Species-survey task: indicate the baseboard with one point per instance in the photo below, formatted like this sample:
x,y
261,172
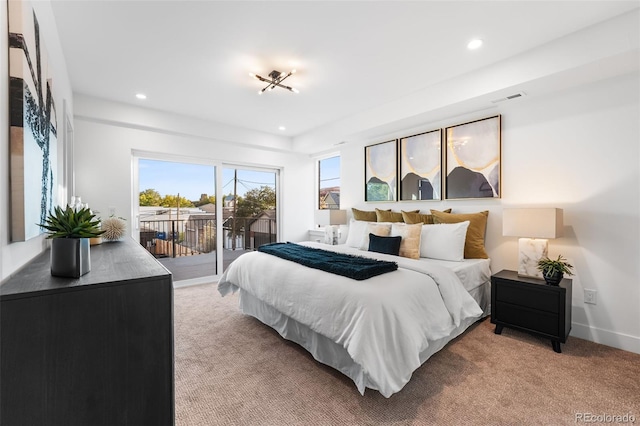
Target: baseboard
x,y
606,337
196,281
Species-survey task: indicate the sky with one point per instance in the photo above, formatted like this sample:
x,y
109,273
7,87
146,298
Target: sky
x,y
330,172
192,180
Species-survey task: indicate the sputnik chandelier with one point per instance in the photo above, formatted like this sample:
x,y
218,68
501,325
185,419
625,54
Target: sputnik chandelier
x,y
275,80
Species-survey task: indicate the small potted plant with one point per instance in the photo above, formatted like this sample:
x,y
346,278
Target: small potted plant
x,y
553,270
70,230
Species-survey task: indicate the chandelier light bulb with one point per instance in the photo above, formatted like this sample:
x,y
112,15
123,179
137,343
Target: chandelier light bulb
x,y
474,44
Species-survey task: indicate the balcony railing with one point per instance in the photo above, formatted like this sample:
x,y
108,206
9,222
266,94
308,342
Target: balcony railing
x,y
174,238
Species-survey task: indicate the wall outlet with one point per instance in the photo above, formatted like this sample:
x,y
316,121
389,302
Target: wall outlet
x,y
590,296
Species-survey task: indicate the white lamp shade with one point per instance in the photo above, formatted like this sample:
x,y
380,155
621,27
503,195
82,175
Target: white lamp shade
x,y
532,223
331,217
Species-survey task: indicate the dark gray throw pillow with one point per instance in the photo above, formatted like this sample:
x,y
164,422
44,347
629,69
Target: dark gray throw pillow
x,y
386,245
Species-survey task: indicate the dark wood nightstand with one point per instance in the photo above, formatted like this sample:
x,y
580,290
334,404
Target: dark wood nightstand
x,y
531,305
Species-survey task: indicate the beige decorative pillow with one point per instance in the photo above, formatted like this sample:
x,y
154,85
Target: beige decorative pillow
x,y
410,245
415,217
474,244
367,216
389,216
379,229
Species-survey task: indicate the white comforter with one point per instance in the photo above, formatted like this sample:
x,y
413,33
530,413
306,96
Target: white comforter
x,y
384,322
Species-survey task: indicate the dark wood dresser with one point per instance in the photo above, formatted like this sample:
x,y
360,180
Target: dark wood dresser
x,y
97,350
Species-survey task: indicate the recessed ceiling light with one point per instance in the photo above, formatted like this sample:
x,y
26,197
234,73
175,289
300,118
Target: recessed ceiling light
x,y
282,128
141,96
474,44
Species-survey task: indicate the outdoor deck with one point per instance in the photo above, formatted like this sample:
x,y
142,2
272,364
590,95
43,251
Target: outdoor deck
x,y
198,266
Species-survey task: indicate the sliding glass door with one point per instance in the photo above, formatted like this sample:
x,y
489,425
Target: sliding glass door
x,y
177,216
196,218
249,210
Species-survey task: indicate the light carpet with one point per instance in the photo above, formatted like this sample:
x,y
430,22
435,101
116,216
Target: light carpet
x,y
230,369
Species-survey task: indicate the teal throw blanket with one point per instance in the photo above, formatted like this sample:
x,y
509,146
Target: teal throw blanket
x,y
358,268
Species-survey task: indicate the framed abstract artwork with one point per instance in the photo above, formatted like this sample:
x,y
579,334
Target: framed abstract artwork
x,y
420,166
380,175
33,125
473,159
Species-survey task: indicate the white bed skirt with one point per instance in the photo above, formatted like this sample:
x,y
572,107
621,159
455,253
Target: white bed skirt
x,y
330,353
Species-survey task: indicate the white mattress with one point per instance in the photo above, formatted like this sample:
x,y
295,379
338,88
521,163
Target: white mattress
x,y
325,350
472,272
258,272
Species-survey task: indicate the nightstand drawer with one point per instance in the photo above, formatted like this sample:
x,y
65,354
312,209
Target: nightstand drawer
x,y
530,319
530,297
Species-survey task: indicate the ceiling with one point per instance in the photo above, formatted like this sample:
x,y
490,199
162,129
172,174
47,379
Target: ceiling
x,y
193,58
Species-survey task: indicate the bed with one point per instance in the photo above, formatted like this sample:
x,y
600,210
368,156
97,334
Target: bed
x,y
377,331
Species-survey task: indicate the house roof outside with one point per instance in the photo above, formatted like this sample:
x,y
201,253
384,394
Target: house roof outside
x,y
331,200
209,207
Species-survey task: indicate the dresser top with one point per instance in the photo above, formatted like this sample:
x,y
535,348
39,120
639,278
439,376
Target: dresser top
x,y
111,263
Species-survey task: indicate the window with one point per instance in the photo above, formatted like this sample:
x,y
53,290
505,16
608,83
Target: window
x,y
329,183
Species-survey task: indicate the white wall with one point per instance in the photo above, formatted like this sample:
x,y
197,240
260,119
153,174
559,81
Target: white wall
x,y
103,157
575,149
15,255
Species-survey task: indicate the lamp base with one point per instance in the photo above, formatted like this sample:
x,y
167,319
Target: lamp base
x,y
331,234
530,251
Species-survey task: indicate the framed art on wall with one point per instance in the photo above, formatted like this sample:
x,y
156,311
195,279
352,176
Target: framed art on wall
x,y
420,166
33,125
380,173
473,159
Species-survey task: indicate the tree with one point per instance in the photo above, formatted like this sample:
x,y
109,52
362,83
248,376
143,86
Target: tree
x,y
256,201
172,201
150,197
205,199
252,204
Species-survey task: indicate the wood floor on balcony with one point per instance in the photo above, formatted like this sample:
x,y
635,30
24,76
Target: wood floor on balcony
x,y
198,266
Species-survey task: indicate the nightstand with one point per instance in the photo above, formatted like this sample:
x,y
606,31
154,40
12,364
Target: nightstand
x,y
317,235
531,305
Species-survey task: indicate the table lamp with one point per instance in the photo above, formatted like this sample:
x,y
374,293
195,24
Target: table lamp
x,y
533,226
330,219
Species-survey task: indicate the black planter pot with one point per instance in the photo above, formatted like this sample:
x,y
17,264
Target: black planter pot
x,y
70,257
553,278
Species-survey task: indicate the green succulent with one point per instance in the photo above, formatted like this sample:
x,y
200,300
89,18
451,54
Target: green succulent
x,y
69,223
549,267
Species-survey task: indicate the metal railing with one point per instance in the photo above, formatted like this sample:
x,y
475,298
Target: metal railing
x,y
175,238
248,233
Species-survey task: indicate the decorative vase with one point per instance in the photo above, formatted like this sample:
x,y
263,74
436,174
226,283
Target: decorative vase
x,y
70,257
553,278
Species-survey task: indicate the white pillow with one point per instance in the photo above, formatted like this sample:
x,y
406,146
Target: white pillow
x,y
444,241
357,229
381,229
